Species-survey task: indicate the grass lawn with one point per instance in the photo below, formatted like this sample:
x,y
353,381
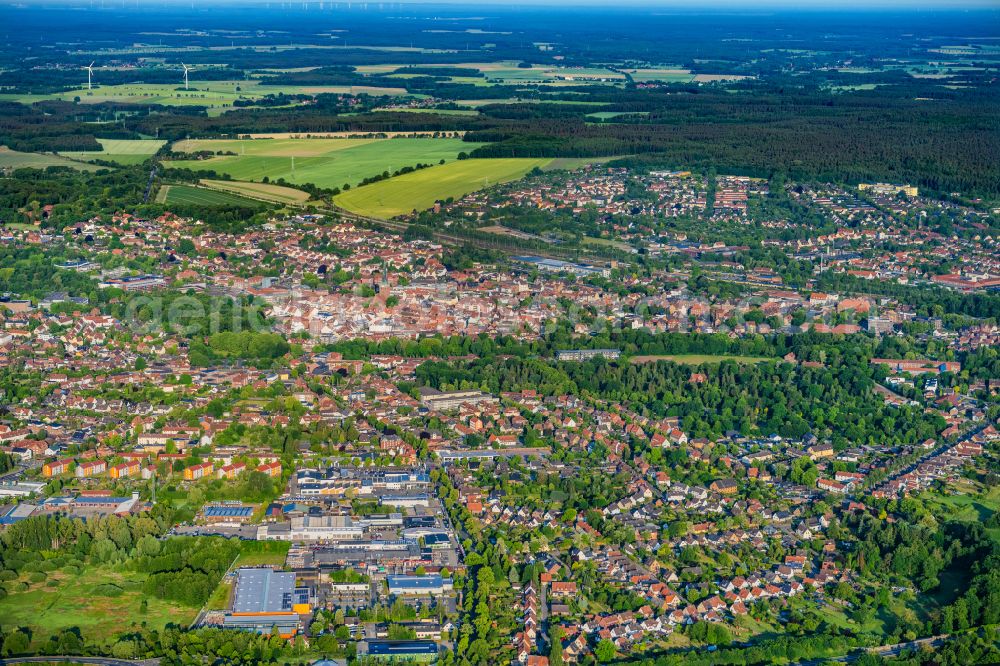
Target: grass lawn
x,y
265,191
323,162
259,553
747,627
200,196
420,189
220,597
607,242
837,617
77,602
18,160
698,359
121,151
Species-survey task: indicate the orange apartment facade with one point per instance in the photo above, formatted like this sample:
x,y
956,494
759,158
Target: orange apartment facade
x,y
125,469
56,467
195,472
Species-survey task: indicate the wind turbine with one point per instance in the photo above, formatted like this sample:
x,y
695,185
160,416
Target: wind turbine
x,y
186,70
90,74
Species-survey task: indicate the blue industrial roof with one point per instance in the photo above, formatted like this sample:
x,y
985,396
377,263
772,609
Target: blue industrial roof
x,y
436,538
228,511
429,582
402,647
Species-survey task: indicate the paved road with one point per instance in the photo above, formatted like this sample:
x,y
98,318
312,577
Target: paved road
x,y
102,661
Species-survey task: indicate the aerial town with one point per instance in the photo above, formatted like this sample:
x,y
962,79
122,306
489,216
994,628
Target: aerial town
x,y
365,480
473,336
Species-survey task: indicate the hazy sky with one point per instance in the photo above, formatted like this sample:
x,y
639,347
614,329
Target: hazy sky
x,y
672,4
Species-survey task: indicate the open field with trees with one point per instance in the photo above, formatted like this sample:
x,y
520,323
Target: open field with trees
x,y
213,95
13,159
103,576
101,600
420,189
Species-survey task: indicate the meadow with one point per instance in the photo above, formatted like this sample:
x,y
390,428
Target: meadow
x,y
698,359
120,151
966,503
102,601
323,162
420,189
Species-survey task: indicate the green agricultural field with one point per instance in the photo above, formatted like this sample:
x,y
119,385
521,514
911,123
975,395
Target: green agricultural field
x,y
698,359
201,196
312,147
507,72
666,75
81,600
12,159
420,189
262,191
216,95
120,151
327,163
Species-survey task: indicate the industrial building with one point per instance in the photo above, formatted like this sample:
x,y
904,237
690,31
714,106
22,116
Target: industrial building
x,y
422,651
263,599
431,585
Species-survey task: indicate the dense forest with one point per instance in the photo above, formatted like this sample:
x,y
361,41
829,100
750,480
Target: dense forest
x,y
781,398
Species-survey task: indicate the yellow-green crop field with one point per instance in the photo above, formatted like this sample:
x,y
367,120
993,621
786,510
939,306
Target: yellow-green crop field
x,y
263,191
420,189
